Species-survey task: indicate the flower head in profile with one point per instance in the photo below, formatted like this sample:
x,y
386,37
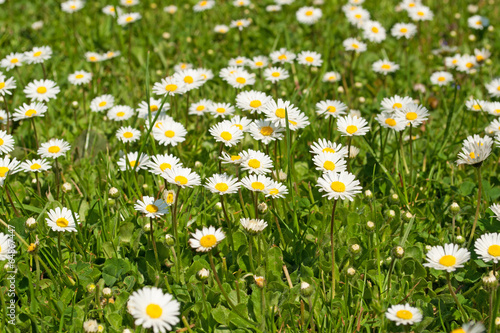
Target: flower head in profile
x,y
226,133
102,103
253,226
326,146
169,133
27,111
8,166
447,258
80,77
12,61
6,142
131,161
309,58
151,207
126,19
487,247
36,165
384,67
240,24
62,219
282,56
38,55
206,239
475,150
72,6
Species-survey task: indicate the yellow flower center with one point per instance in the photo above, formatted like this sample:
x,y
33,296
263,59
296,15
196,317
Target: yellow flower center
x,y
494,250
498,88
386,66
280,113
188,79
62,222
469,65
258,186
220,110
259,63
235,158
309,59
255,103
328,150
420,13
221,187
331,109
397,106
351,129
41,90
181,180
411,116
472,155
275,74
170,198
479,57
79,76
132,163
200,108
239,23
165,166
241,80
282,57
92,58
391,122
171,87
254,163
208,241
103,103
129,19
476,107
153,108
14,60
1,142
239,61
458,330
203,3
169,134
358,16
309,13
54,149
226,136
331,78
3,171
239,126
266,130
154,311
403,30
441,79
448,260
128,135
120,114
356,46
404,314
375,29
152,208
30,112
2,85
35,166
338,187
329,165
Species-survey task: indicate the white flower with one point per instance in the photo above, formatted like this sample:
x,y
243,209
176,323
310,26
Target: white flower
x,y
277,112
421,13
447,258
282,56
154,105
238,61
325,146
275,190
80,77
309,58
222,184
36,165
343,185
128,134
203,5
391,104
6,142
8,167
256,183
477,22
404,314
6,85
129,162
221,28
227,133
41,90
27,111
230,159
191,77
275,74
237,77
258,62
12,60
330,108
160,163
475,105
475,150
200,107
493,88
242,123
206,239
407,30
62,219
253,226
169,133
93,57
72,6
352,44
256,162
329,162
151,207
413,114
38,55
441,78
170,9
221,109
182,177
495,208
240,24
120,112
253,101
169,86
466,63
384,66
331,77
309,15
128,18
102,103
488,247
388,120
53,148
265,131
374,31
352,126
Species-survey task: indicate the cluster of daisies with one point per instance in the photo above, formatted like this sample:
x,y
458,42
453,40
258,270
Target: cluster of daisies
x,y
37,55
398,113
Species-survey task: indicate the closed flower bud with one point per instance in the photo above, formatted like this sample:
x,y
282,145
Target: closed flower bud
x,y
472,37
203,274
340,89
306,289
198,164
262,207
428,247
259,281
455,208
355,248
145,186
146,227
111,202
490,281
407,216
460,239
169,240
497,321
457,15
395,198
358,84
91,288
218,207
74,105
370,226
398,252
66,187
107,293
351,271
113,192
361,99
31,223
391,214
453,33
368,194
127,331
90,326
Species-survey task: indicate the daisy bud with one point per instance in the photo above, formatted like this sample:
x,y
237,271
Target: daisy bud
x,y
306,289
457,15
90,326
351,271
361,99
391,214
127,331
490,281
210,52
460,239
406,216
395,198
107,293
262,207
472,37
454,208
398,252
113,192
388,260
74,105
355,248
472,9
497,321
259,281
145,186
340,89
218,207
32,248
66,187
111,202
488,62
169,240
37,25
282,175
203,274
30,223
453,33
189,39
165,35
354,152
368,194
198,164
358,85
146,227
91,288
33,182
26,200
370,226
428,248
491,28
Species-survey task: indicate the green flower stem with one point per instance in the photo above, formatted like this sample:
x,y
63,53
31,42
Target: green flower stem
x,y
478,206
229,225
462,311
332,222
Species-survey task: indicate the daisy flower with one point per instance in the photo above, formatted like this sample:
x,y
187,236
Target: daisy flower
x,y
410,4
330,108
230,159
309,58
93,57
282,56
182,177
36,165
358,16
200,107
53,148
38,55
447,258
495,208
481,55
404,314
388,120
170,9
256,162
253,101
222,184
102,103
12,60
256,183
62,219
226,133
126,19
3,116
162,119
493,108
374,31
191,78
421,13
205,74
466,63
258,62
241,3
452,62
470,327
488,247
308,15
240,24
239,78
41,90
297,121
328,162
151,308
128,134
242,123
384,67
129,3
343,185
206,239
253,226
391,104
111,54
266,131
8,167
169,133
275,74
151,207
441,78
477,22
239,61
352,44
332,77
182,66
109,10
277,112
475,150
275,190
120,112
5,244
72,6
129,162
154,105
493,88
204,5
221,28
80,77
6,142
413,114
6,85
406,30
325,146
352,126
475,105
160,163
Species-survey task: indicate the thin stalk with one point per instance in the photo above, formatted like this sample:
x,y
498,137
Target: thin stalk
x,y
174,225
332,225
229,226
411,155
34,131
153,241
250,254
57,179
478,206
462,311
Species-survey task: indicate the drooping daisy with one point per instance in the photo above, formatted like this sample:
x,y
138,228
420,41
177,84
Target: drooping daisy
x,y
253,226
154,105
352,44
128,134
205,74
276,112
493,88
72,6
447,258
309,58
388,120
12,60
62,219
27,111
38,55
230,159
275,190
487,247
253,101
128,18
182,177
404,314
352,126
6,85
421,13
477,22
221,28
222,184
226,133
200,107
406,30
374,31
258,62
266,131
441,78
275,74
206,239
384,67
41,90
191,78
169,133
53,148
391,104
6,142
256,162
160,163
242,123
328,162
151,207
297,121
282,56
330,108
204,5
36,165
475,105
151,308
120,112
8,167
325,146
308,15
413,114
130,160
256,183
93,57
80,77
331,77
475,150
102,103
343,185
240,24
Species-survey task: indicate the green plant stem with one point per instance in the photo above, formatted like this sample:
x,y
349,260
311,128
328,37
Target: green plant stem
x,y
462,311
332,225
174,226
229,225
250,254
478,206
153,241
